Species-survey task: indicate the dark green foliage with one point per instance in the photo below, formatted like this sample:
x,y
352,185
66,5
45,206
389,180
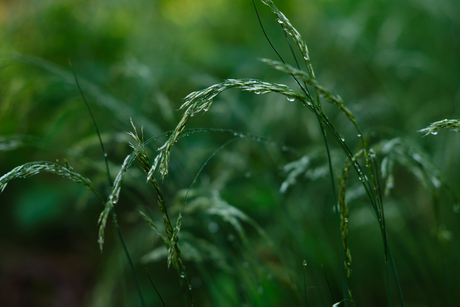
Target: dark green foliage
x,y
281,199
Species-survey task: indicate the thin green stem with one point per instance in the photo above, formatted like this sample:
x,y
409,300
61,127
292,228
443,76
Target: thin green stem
x,y
110,182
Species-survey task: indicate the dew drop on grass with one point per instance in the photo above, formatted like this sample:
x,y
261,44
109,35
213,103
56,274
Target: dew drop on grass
x,y
182,274
434,132
342,137
280,21
190,287
290,99
372,153
359,135
213,227
304,263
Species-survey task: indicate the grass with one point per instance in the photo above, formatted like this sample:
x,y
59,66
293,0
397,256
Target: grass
x,y
238,234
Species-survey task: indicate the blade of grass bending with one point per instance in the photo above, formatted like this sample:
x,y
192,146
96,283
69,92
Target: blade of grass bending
x,y
94,123
110,201
265,33
151,281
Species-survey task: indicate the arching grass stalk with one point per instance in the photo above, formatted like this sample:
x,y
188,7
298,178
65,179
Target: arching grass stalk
x,y
434,128
289,30
202,101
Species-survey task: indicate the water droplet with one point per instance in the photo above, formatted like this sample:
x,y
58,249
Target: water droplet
x,y
304,263
434,132
213,227
190,287
105,155
280,21
372,153
359,135
182,274
257,92
206,109
342,137
290,98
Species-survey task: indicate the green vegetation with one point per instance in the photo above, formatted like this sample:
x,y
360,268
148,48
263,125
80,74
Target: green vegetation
x,y
303,180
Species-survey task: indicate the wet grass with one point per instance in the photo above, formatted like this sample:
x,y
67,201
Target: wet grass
x,y
236,234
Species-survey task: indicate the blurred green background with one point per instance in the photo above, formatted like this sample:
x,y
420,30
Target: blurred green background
x,y
396,65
